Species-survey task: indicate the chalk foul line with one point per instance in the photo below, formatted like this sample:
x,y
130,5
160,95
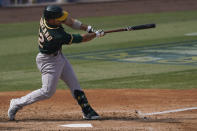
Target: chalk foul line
x,y
139,113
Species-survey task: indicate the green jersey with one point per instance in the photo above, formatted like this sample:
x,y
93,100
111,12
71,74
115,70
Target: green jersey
x,y
51,38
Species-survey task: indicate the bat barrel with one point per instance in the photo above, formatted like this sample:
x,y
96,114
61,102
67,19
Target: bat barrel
x,y
146,26
138,27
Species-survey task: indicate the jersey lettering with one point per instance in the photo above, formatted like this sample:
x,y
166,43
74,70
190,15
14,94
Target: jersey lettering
x,y
44,32
49,38
41,38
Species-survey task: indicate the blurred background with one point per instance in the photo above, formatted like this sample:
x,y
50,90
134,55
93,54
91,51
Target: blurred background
x,y
7,3
118,60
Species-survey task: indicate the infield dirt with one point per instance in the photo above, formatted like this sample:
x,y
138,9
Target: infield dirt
x,y
116,106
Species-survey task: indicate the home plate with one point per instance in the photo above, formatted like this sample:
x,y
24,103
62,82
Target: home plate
x,y
77,125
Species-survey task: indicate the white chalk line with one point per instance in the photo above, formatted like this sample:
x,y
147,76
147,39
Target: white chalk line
x,y
168,111
77,125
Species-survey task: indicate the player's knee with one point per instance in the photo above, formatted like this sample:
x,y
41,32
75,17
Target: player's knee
x,y
47,92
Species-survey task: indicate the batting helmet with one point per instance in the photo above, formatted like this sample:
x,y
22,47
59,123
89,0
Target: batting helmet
x,y
55,12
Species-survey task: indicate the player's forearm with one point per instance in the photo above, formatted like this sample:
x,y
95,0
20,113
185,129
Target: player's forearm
x,y
88,37
77,25
84,27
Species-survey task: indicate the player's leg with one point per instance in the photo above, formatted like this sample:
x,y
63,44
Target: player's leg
x,y
69,77
50,77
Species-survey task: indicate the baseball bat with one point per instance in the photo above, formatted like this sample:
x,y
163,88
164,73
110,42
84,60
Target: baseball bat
x,y
130,28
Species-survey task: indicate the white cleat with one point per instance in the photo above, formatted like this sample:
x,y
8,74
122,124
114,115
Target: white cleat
x,y
13,110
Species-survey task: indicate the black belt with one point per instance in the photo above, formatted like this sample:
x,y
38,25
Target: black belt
x,y
53,54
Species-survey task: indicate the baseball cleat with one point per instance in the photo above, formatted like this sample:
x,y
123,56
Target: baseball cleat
x,y
90,114
13,110
95,117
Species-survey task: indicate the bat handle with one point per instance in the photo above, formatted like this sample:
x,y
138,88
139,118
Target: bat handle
x,y
116,30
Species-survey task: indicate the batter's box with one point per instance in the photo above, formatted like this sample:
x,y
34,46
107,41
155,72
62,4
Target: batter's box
x,y
179,53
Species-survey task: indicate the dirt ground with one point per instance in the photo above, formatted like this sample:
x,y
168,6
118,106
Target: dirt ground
x,y
116,107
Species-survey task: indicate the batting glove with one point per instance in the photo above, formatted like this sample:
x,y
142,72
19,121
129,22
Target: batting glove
x,y
129,28
90,29
100,33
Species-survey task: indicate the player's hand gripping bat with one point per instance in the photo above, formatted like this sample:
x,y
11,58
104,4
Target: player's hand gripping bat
x,y
132,28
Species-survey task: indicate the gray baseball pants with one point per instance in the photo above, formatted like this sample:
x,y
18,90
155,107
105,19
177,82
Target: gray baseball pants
x,y
52,68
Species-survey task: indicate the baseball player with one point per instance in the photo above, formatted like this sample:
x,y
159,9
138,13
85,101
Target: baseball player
x,y
53,64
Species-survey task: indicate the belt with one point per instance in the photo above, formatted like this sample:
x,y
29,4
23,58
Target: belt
x,y
53,54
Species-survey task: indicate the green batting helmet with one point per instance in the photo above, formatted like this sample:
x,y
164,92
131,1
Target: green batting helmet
x,y
54,12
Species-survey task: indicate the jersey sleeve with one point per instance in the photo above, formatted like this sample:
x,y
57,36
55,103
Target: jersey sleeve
x,y
72,38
